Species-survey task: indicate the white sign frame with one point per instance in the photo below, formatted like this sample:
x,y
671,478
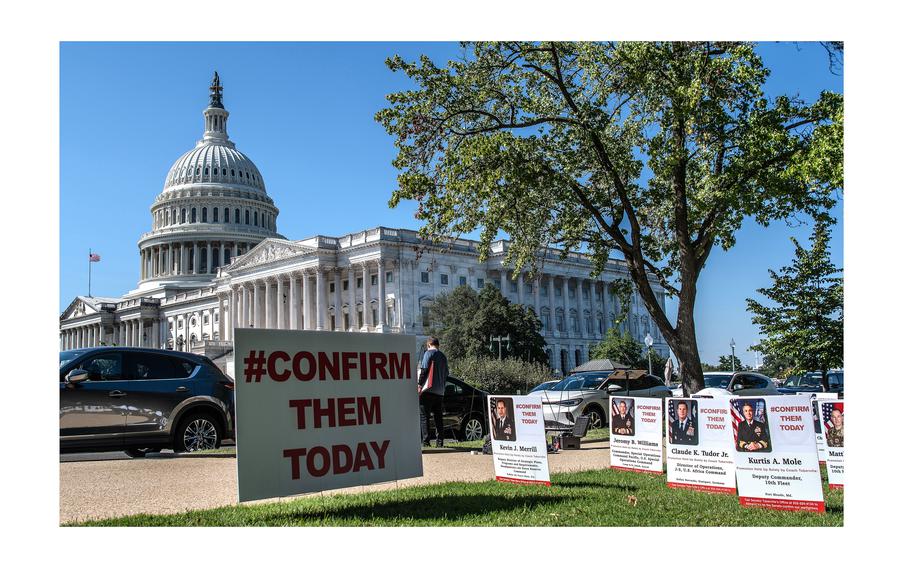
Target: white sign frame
x,y
700,457
519,441
637,444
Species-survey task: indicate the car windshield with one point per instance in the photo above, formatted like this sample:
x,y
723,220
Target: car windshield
x,y
717,381
578,382
67,356
543,387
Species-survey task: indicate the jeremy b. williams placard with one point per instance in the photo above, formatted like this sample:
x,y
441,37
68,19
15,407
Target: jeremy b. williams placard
x,y
636,437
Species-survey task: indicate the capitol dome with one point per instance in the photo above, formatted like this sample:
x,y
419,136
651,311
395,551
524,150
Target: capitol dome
x,y
213,207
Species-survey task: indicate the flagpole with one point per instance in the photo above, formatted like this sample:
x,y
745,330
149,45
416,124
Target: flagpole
x,y
89,273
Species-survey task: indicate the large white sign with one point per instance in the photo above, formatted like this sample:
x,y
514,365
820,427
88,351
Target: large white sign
x,y
776,457
322,410
636,434
819,431
700,445
518,440
831,413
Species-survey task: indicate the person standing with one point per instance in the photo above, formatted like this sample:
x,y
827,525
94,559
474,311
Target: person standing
x,y
431,387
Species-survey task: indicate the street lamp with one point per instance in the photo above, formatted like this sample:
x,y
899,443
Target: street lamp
x,y
649,341
733,351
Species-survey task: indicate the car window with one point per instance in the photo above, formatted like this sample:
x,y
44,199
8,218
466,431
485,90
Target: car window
x,y
717,381
835,379
640,383
150,366
104,367
183,368
752,381
578,382
654,382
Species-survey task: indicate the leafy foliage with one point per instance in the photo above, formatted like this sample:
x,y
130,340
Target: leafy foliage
x,y
500,376
656,150
725,364
465,320
620,348
804,321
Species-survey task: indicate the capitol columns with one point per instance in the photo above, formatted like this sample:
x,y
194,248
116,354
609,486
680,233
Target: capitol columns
x,y
336,299
380,308
257,300
504,280
521,287
280,303
269,304
367,312
156,334
307,300
536,286
293,302
320,298
195,257
551,299
352,301
221,327
579,307
208,258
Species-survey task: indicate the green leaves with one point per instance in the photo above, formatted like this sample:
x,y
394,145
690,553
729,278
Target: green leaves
x,y
804,321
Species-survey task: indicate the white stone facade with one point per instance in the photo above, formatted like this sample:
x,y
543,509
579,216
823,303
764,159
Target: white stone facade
x,y
372,281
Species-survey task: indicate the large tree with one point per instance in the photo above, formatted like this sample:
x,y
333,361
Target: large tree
x,y
465,320
620,348
804,320
658,151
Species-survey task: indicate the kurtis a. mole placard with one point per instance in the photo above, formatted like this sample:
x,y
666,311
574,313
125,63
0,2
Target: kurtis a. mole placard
x,y
321,410
776,456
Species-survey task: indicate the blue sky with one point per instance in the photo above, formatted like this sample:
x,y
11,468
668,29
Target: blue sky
x,y
303,112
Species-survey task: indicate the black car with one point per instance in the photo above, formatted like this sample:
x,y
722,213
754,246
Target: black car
x,y
463,415
812,382
142,400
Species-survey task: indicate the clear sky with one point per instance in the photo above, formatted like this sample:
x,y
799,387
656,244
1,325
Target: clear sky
x,y
303,112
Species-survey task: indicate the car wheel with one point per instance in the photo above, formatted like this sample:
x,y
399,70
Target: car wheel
x,y
596,417
472,428
197,432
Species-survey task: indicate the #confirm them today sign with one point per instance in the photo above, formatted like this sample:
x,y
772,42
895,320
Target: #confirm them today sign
x,y
776,456
636,434
321,410
700,445
518,440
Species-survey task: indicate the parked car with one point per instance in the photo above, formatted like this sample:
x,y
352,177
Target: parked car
x,y
546,385
463,415
812,383
142,400
740,383
587,394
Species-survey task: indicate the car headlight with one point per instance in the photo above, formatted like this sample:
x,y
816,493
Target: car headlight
x,y
569,402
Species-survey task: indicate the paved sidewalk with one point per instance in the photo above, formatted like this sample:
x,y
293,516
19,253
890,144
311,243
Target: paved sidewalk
x,y
168,484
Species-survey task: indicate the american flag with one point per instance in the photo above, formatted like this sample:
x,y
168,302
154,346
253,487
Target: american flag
x,y
630,408
94,257
827,409
758,414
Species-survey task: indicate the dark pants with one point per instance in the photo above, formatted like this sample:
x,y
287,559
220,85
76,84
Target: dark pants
x,y
430,402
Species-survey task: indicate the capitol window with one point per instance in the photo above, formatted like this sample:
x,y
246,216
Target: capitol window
x,y
374,280
227,214
237,216
247,216
183,215
425,277
360,282
344,286
480,282
205,216
388,276
224,171
214,214
444,279
256,218
193,215
232,173
332,290
462,280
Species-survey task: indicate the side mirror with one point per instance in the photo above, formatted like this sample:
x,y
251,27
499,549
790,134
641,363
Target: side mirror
x,y
738,386
76,376
614,388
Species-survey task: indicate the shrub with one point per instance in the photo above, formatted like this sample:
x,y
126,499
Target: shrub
x,y
499,376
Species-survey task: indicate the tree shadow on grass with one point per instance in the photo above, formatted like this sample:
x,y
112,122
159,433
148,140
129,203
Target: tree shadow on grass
x,y
448,508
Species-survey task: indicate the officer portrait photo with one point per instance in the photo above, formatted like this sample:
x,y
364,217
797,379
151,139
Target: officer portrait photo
x,y
681,417
751,425
833,414
622,422
502,415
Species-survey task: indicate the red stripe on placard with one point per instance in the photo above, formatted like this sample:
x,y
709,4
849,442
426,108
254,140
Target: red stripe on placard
x,y
835,486
636,469
783,504
703,488
521,481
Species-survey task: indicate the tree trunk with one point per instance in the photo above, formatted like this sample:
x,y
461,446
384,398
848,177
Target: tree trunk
x,y
826,386
686,348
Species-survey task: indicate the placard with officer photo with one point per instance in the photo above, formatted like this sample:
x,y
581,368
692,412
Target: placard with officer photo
x,y
831,413
699,445
819,431
636,434
776,456
518,440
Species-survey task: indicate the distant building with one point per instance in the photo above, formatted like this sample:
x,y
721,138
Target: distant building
x,y
214,261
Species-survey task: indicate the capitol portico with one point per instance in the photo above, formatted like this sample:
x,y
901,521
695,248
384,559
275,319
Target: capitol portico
x,y
214,261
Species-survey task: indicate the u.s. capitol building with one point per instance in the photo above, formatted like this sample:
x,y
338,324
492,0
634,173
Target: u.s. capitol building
x,y
214,260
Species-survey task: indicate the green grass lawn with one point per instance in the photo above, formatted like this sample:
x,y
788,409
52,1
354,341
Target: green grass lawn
x,y
590,498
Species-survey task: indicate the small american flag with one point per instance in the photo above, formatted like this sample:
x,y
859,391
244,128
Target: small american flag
x,y
827,409
94,257
758,414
